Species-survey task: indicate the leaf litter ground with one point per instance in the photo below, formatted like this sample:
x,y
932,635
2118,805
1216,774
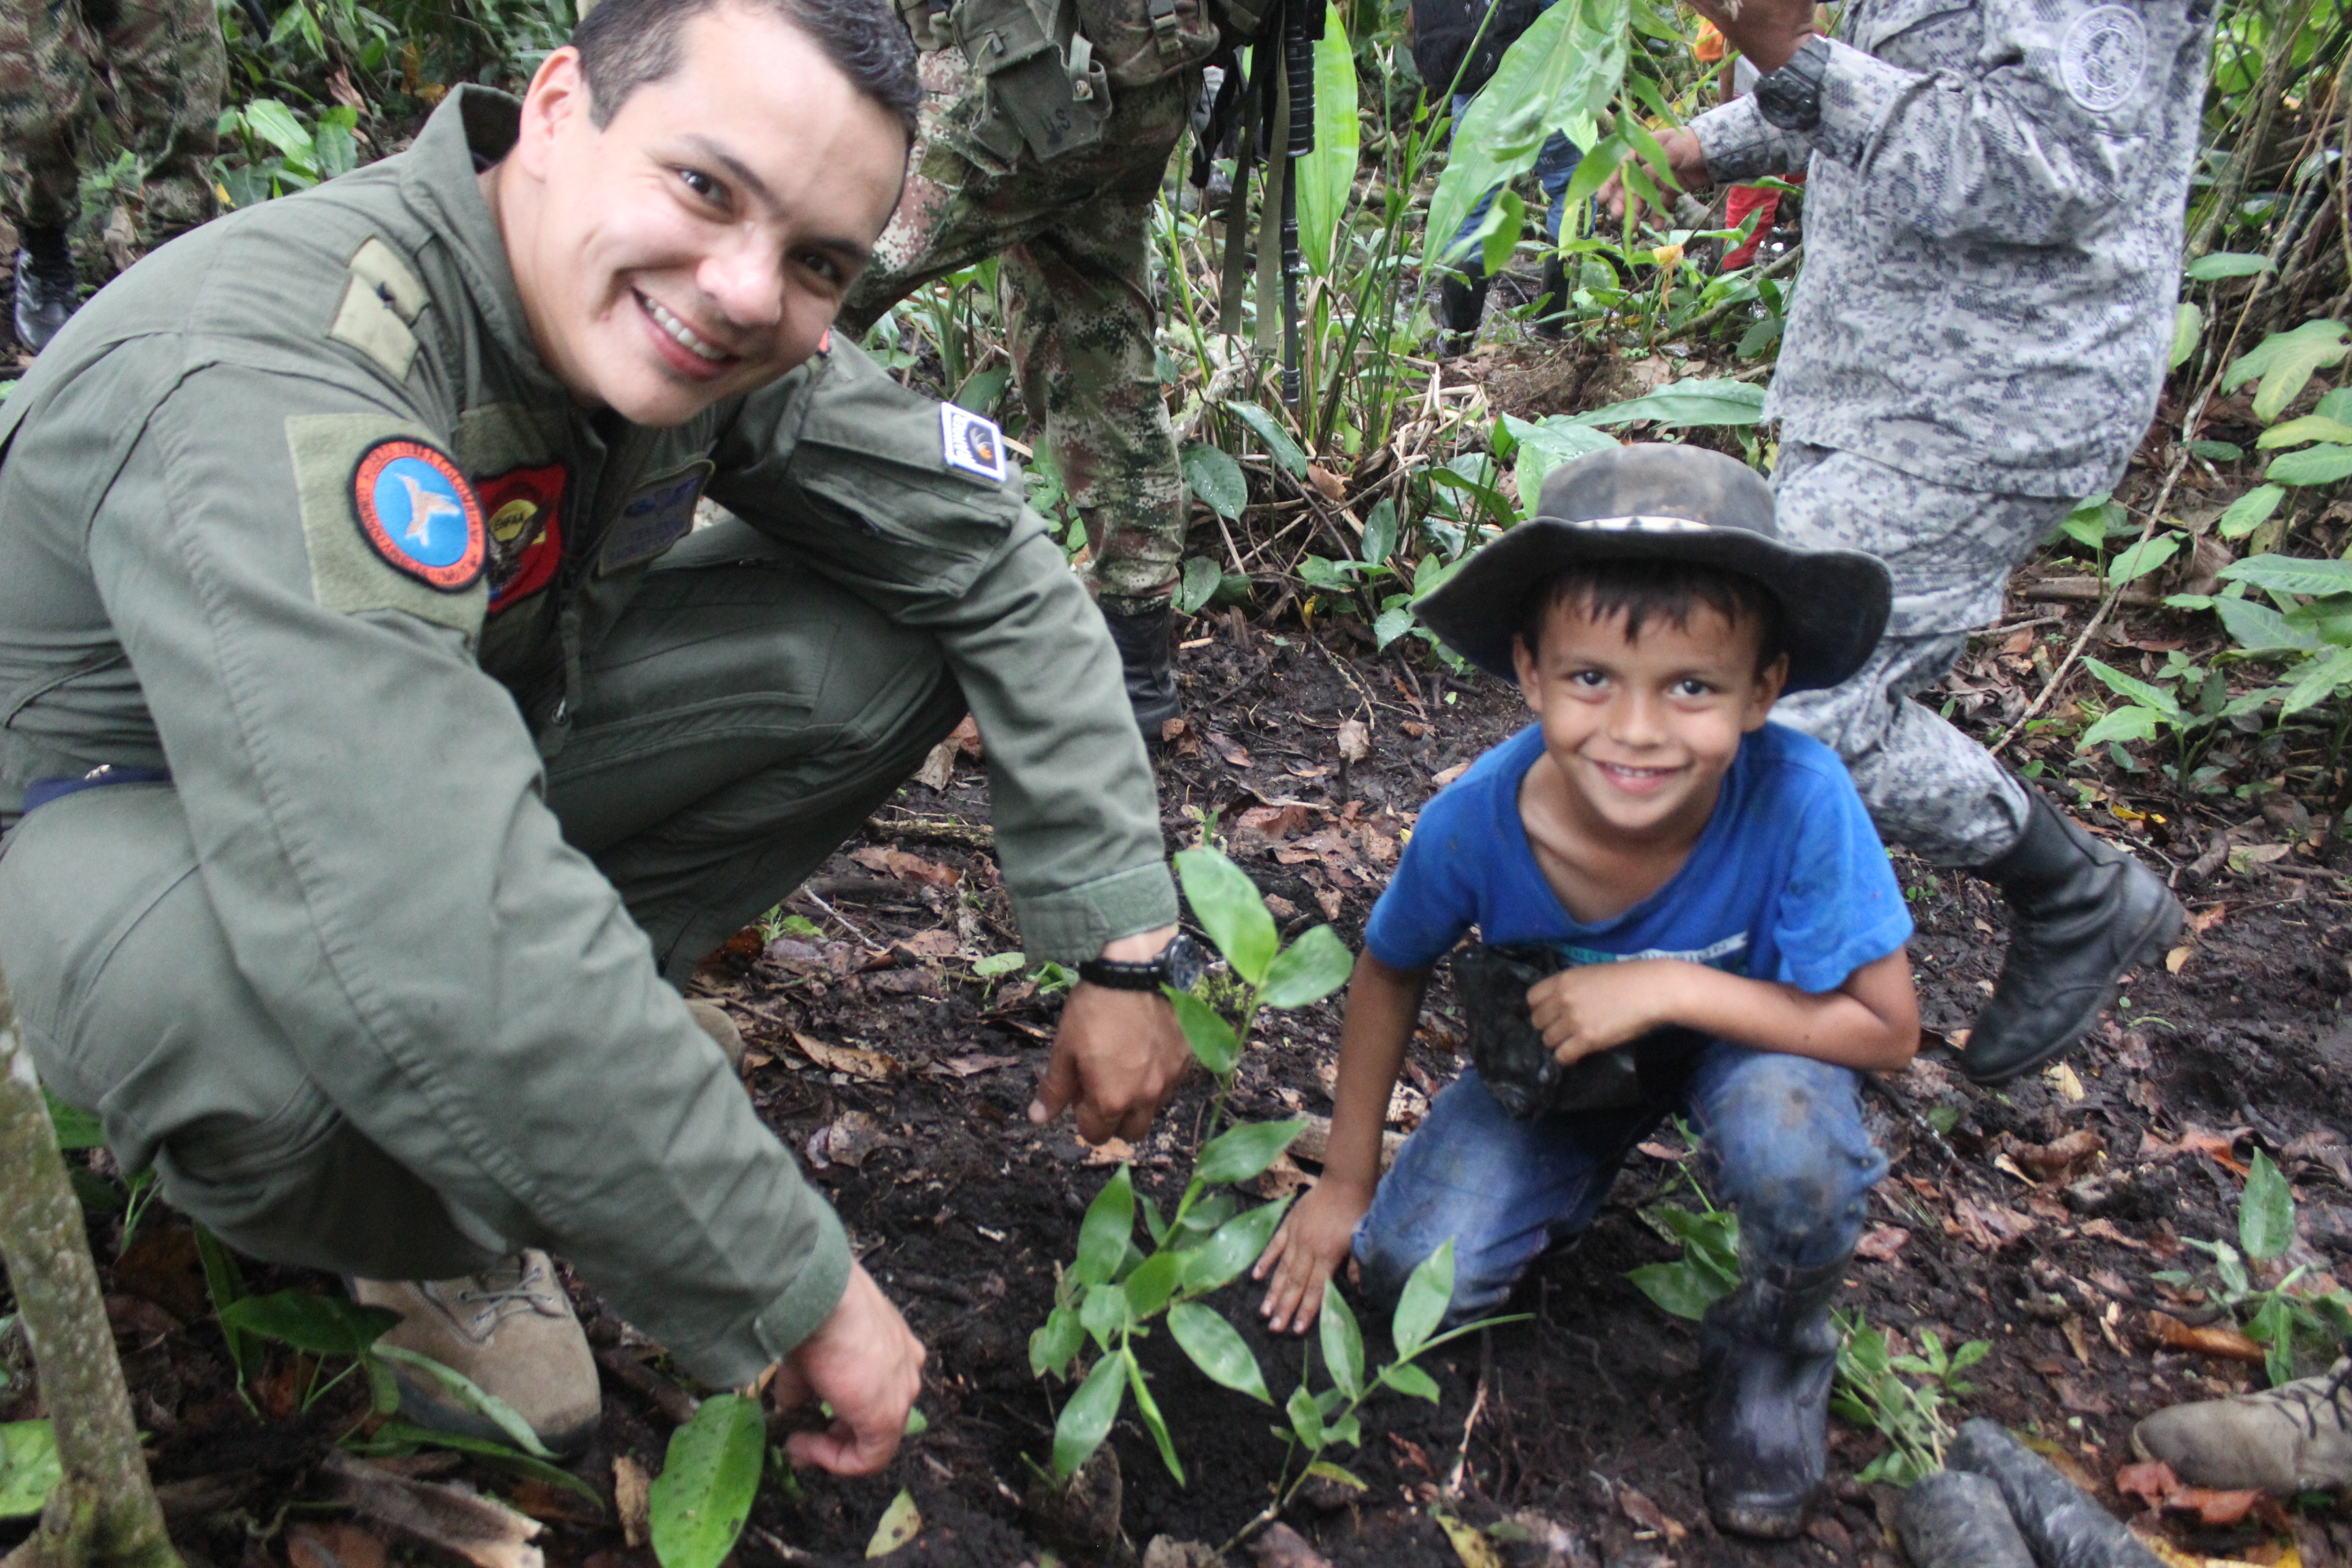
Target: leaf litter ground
x,y
2036,1219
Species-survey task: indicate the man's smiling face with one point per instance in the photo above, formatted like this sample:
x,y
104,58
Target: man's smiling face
x,y
698,244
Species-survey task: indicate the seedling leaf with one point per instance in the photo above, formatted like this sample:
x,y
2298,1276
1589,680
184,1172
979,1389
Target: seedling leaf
x,y
2312,466
322,1325
1214,1044
899,1524
1308,970
2285,361
1234,1247
1682,1289
29,1466
473,1395
396,1437
1241,1152
1217,479
2138,561
1227,904
1148,1287
1343,1343
1051,1347
1218,1349
699,1502
1422,1305
1408,1379
1085,1419
2251,510
1103,1235
2290,575
2266,1212
1277,441
1153,1422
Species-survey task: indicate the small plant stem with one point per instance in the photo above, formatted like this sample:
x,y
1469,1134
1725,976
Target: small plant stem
x,y
1778,266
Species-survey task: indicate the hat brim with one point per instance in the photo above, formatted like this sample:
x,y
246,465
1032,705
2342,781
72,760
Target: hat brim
x,y
1833,601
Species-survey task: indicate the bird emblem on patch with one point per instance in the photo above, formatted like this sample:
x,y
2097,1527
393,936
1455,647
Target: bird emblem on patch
x,y
971,443
420,514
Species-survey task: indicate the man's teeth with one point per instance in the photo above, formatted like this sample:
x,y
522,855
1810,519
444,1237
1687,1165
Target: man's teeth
x,y
681,331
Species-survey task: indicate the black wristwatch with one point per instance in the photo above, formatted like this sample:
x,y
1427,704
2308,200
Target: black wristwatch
x,y
1790,98
1178,964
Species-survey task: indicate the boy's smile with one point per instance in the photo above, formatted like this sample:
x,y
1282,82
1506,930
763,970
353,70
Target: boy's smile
x,y
1639,732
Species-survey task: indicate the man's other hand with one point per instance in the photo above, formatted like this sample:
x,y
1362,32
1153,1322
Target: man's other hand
x,y
1683,157
1118,1054
1767,31
868,1364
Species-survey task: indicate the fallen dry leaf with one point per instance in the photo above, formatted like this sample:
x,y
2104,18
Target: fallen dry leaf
x,y
2202,920
1648,1515
905,866
1283,1547
1469,1544
1882,1242
854,1060
2064,1158
2177,959
1110,1152
482,1530
847,1140
1326,481
2062,1079
632,1500
931,943
900,1522
1987,1227
966,1067
2151,1482
966,736
2211,1340
938,766
1355,740
332,1546
2212,1509
1448,775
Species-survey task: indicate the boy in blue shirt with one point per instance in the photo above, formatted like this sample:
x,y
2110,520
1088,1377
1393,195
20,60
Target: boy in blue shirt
x,y
1730,931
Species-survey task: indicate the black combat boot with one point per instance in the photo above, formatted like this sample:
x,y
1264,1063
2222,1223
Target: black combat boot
x,y
2081,912
1142,639
1551,300
47,289
1770,1352
1460,303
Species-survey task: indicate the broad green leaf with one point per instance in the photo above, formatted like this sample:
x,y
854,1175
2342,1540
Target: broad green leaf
x,y
1103,1234
2138,691
29,1466
2256,627
1269,430
2217,451
1056,1343
2251,510
1216,478
997,963
322,1325
1682,402
1306,1416
2327,618
899,1524
2312,466
2310,427
2316,681
1198,585
1153,1422
1217,1347
1326,174
396,1437
1682,1287
1201,1219
1392,625
1343,1343
1411,1381
1213,1040
1324,1469
1148,1287
2187,326
1104,1312
1545,445
1241,1152
2136,561
1086,1420
2285,361
1236,1244
1710,1241
2335,405
464,1389
1317,572
699,1502
1380,534
2126,723
1556,76
2226,264
75,1128
1421,1307
2266,1212
1308,970
1227,904
2290,575
2088,523
275,123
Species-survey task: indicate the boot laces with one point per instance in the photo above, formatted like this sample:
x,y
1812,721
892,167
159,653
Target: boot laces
x,y
2308,1395
485,1300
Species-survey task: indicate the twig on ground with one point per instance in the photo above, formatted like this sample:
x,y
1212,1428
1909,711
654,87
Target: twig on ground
x,y
2019,625
1478,1408
675,1403
936,831
1910,1113
867,942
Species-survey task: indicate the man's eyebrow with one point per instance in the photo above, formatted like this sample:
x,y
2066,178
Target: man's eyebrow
x,y
848,251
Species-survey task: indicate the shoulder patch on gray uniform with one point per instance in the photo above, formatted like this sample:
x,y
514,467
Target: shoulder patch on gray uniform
x,y
347,571
971,443
2103,56
382,297
381,268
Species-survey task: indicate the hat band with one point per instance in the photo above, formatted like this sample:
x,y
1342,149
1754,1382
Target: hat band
x,y
1640,522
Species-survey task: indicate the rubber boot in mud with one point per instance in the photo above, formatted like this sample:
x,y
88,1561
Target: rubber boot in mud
x,y
47,290
1143,656
1460,303
1552,300
1954,1519
2062,1528
2081,912
2297,1437
1770,1351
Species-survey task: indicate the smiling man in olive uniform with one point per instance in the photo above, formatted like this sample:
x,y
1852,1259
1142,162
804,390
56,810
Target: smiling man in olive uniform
x,y
378,752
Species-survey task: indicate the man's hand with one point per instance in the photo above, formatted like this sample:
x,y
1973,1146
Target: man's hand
x,y
1307,1250
1767,31
1684,159
868,1364
1596,1007
1118,1054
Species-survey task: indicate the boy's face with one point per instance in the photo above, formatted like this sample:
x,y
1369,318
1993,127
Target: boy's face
x,y
1643,729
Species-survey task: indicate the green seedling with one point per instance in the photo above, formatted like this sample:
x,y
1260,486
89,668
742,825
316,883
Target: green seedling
x,y
1709,1236
1903,1397
2295,1328
698,1505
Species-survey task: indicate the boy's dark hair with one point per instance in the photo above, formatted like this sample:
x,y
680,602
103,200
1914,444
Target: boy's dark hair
x,y
624,43
1643,590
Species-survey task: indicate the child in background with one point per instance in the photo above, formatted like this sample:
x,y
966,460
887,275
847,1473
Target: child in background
x,y
1724,912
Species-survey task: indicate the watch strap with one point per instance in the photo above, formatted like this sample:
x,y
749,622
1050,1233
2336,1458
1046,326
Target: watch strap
x,y
1790,97
1125,973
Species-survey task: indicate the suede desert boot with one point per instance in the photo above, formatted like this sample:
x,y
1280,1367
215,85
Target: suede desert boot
x,y
2081,912
713,1021
1770,1350
511,1329
2297,1437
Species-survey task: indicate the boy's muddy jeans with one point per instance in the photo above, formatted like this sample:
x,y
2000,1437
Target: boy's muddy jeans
x,y
1783,1141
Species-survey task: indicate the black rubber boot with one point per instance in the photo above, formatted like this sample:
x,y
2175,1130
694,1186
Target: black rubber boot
x,y
1954,1519
2081,912
1770,1350
2062,1528
1460,303
1551,300
47,290
1142,639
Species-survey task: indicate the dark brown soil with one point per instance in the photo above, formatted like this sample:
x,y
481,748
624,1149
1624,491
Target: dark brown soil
x,y
1585,1414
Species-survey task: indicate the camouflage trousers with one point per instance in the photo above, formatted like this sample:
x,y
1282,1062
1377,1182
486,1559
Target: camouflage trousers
x,y
1950,551
162,67
1075,237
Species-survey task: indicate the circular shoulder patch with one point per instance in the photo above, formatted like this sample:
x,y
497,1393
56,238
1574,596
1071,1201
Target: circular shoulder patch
x,y
421,515
2102,56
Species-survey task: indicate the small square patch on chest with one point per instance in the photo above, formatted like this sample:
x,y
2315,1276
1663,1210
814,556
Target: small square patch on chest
x,y
971,443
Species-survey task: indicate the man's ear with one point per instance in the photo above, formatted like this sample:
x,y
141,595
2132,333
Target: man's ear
x,y
1768,682
557,97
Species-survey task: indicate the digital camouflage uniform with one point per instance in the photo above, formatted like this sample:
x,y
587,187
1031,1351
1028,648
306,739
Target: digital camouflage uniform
x,y
1993,249
162,66
1076,236
469,746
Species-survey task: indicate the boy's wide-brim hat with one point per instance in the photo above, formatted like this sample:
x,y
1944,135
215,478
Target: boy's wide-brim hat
x,y
1667,503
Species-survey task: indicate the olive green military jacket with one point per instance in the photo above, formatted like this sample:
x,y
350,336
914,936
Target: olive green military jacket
x,y
191,576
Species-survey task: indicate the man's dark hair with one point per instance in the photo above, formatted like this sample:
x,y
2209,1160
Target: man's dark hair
x,y
624,43
1642,590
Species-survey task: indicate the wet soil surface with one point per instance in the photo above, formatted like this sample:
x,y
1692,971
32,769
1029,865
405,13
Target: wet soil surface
x,y
903,1078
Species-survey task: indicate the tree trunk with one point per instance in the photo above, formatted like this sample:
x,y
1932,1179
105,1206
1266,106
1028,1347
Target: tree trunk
x,y
104,1510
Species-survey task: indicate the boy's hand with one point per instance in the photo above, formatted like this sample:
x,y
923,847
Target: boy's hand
x,y
1304,1254
1597,1006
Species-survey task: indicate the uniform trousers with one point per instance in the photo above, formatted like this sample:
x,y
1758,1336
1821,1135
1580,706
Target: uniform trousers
x,y
742,719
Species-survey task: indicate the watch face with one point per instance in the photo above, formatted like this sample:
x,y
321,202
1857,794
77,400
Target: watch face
x,y
1182,960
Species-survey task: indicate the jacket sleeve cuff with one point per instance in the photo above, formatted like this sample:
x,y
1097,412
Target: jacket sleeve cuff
x,y
1741,144
739,1358
1072,926
1860,93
